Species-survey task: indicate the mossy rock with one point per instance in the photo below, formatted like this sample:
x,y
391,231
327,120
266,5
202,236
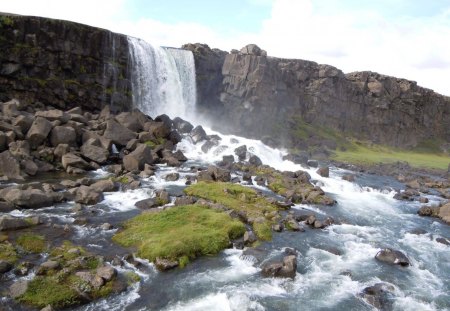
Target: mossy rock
x,y
8,252
180,233
32,243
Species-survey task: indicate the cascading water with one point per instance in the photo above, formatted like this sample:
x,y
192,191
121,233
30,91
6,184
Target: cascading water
x,y
163,80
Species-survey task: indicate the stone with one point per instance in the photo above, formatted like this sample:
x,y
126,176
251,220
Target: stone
x,y
349,177
249,238
87,195
293,225
208,145
379,295
105,185
9,166
49,265
324,171
285,269
392,257
47,308
254,160
2,142
185,200
165,264
253,49
29,167
117,133
63,135
148,203
198,134
130,120
94,153
136,160
72,160
18,288
312,163
182,126
107,273
29,198
172,177
5,266
163,196
428,211
38,132
106,226
241,152
61,150
24,122
53,115
443,241
423,200
444,213
10,108
157,129
175,137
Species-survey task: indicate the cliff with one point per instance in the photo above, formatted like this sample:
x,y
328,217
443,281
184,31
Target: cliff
x,y
62,64
262,96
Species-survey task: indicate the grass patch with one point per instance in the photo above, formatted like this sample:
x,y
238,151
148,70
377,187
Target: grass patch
x,y
32,243
131,277
235,197
63,251
263,230
8,252
43,291
361,154
184,231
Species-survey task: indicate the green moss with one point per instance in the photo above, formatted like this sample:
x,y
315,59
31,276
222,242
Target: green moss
x,y
93,263
238,198
184,231
131,277
63,251
6,21
155,142
121,179
8,252
43,291
32,243
103,291
361,154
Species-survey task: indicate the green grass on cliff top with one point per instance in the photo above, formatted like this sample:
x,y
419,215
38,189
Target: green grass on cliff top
x,y
360,154
180,232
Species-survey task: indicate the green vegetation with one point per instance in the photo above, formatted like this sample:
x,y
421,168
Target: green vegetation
x,y
180,233
32,243
8,252
6,21
43,291
155,142
361,154
121,179
131,277
67,251
239,198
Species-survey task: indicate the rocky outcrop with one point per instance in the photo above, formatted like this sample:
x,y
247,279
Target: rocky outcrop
x,y
62,64
262,96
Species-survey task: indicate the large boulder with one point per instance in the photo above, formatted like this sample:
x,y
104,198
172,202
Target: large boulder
x,y
18,288
182,126
131,120
392,257
136,160
38,132
117,133
253,49
285,269
241,152
88,195
379,295
324,171
8,222
63,135
158,129
444,213
93,152
106,185
53,115
72,160
9,166
198,134
29,198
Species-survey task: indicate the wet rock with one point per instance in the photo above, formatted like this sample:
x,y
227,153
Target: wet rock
x,y
163,196
106,226
29,198
9,166
182,126
105,185
293,225
175,137
18,288
38,132
443,241
254,160
172,177
349,177
148,203
312,163
241,152
444,213
133,121
6,207
249,238
428,211
117,133
285,269
423,200
165,264
136,160
208,145
418,231
324,171
5,266
198,134
392,257
23,268
63,135
87,195
379,295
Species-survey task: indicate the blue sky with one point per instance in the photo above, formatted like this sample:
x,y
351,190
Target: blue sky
x,y
403,38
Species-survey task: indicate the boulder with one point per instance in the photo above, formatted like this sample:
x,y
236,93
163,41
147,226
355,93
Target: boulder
x,y
9,166
443,241
38,132
130,120
185,200
18,288
117,133
157,129
87,195
61,150
254,160
148,203
29,167
5,266
24,122
253,49
349,177
208,145
198,134
379,295
72,160
53,115
8,223
324,171
428,211
106,185
172,177
29,198
182,126
444,213
312,163
285,269
392,257
249,238
241,152
107,273
94,153
63,135
2,141
136,160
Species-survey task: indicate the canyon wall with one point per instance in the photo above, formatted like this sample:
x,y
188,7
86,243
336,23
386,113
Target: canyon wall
x,y
63,64
267,97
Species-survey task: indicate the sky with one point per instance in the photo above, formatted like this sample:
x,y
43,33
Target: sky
x,y
403,38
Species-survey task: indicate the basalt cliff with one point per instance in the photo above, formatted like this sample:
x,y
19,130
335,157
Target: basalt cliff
x,y
65,64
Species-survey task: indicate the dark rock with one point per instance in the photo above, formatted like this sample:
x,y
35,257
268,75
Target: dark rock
x,y
198,134
249,238
324,171
157,129
117,133
349,177
254,160
63,135
182,126
423,200
148,203
38,132
208,145
136,160
393,257
5,266
428,211
312,163
379,295
241,152
443,241
175,137
172,177
286,269
418,231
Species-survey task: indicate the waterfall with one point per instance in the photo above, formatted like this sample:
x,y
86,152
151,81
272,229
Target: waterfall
x,y
162,80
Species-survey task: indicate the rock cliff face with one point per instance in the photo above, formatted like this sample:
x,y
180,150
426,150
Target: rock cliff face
x,y
63,64
266,96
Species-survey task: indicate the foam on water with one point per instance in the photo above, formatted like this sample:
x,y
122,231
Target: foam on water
x,y
124,201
